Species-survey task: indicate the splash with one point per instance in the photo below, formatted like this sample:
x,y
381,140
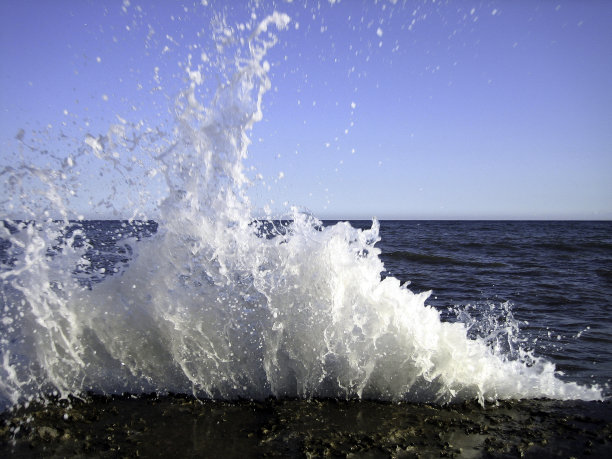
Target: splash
x,y
217,303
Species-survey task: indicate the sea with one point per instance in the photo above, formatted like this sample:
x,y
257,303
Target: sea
x,y
545,285
390,309
198,292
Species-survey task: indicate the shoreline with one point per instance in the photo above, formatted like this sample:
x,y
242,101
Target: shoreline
x,y
150,425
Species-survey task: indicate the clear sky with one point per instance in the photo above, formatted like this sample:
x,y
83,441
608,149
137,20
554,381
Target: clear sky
x,y
393,109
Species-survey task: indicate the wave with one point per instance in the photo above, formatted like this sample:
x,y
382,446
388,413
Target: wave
x,y
216,305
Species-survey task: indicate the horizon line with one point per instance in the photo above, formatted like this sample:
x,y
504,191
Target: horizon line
x,y
355,219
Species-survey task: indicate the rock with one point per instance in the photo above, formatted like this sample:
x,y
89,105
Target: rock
x,y
47,433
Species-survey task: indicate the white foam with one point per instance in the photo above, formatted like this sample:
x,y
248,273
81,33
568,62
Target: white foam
x,y
209,306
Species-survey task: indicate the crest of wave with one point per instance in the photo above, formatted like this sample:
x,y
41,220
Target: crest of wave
x,y
223,306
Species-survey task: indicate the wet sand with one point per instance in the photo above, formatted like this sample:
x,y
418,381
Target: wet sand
x,y
181,426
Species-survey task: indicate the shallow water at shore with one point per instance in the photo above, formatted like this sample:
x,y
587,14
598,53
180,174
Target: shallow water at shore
x,y
130,426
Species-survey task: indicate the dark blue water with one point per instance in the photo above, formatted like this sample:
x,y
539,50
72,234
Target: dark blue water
x,y
554,276
550,281
547,286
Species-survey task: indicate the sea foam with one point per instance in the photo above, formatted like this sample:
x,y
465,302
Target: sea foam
x,y
220,304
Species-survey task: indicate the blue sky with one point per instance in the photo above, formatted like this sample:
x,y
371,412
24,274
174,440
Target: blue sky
x,y
415,109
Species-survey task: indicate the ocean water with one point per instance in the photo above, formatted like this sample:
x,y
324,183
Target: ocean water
x,y
531,297
204,297
547,284
538,286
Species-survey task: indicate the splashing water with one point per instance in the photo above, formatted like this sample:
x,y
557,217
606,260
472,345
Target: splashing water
x,y
216,303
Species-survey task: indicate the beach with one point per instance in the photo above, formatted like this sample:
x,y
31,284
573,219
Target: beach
x,y
147,426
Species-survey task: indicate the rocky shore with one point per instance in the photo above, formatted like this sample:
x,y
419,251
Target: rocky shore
x,y
146,426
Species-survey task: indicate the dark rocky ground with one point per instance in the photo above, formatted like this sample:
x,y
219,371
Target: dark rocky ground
x,y
181,426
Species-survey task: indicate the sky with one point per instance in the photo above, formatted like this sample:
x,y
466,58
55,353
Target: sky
x,y
388,109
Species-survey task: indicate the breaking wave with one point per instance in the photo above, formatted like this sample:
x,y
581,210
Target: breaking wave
x,y
217,302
